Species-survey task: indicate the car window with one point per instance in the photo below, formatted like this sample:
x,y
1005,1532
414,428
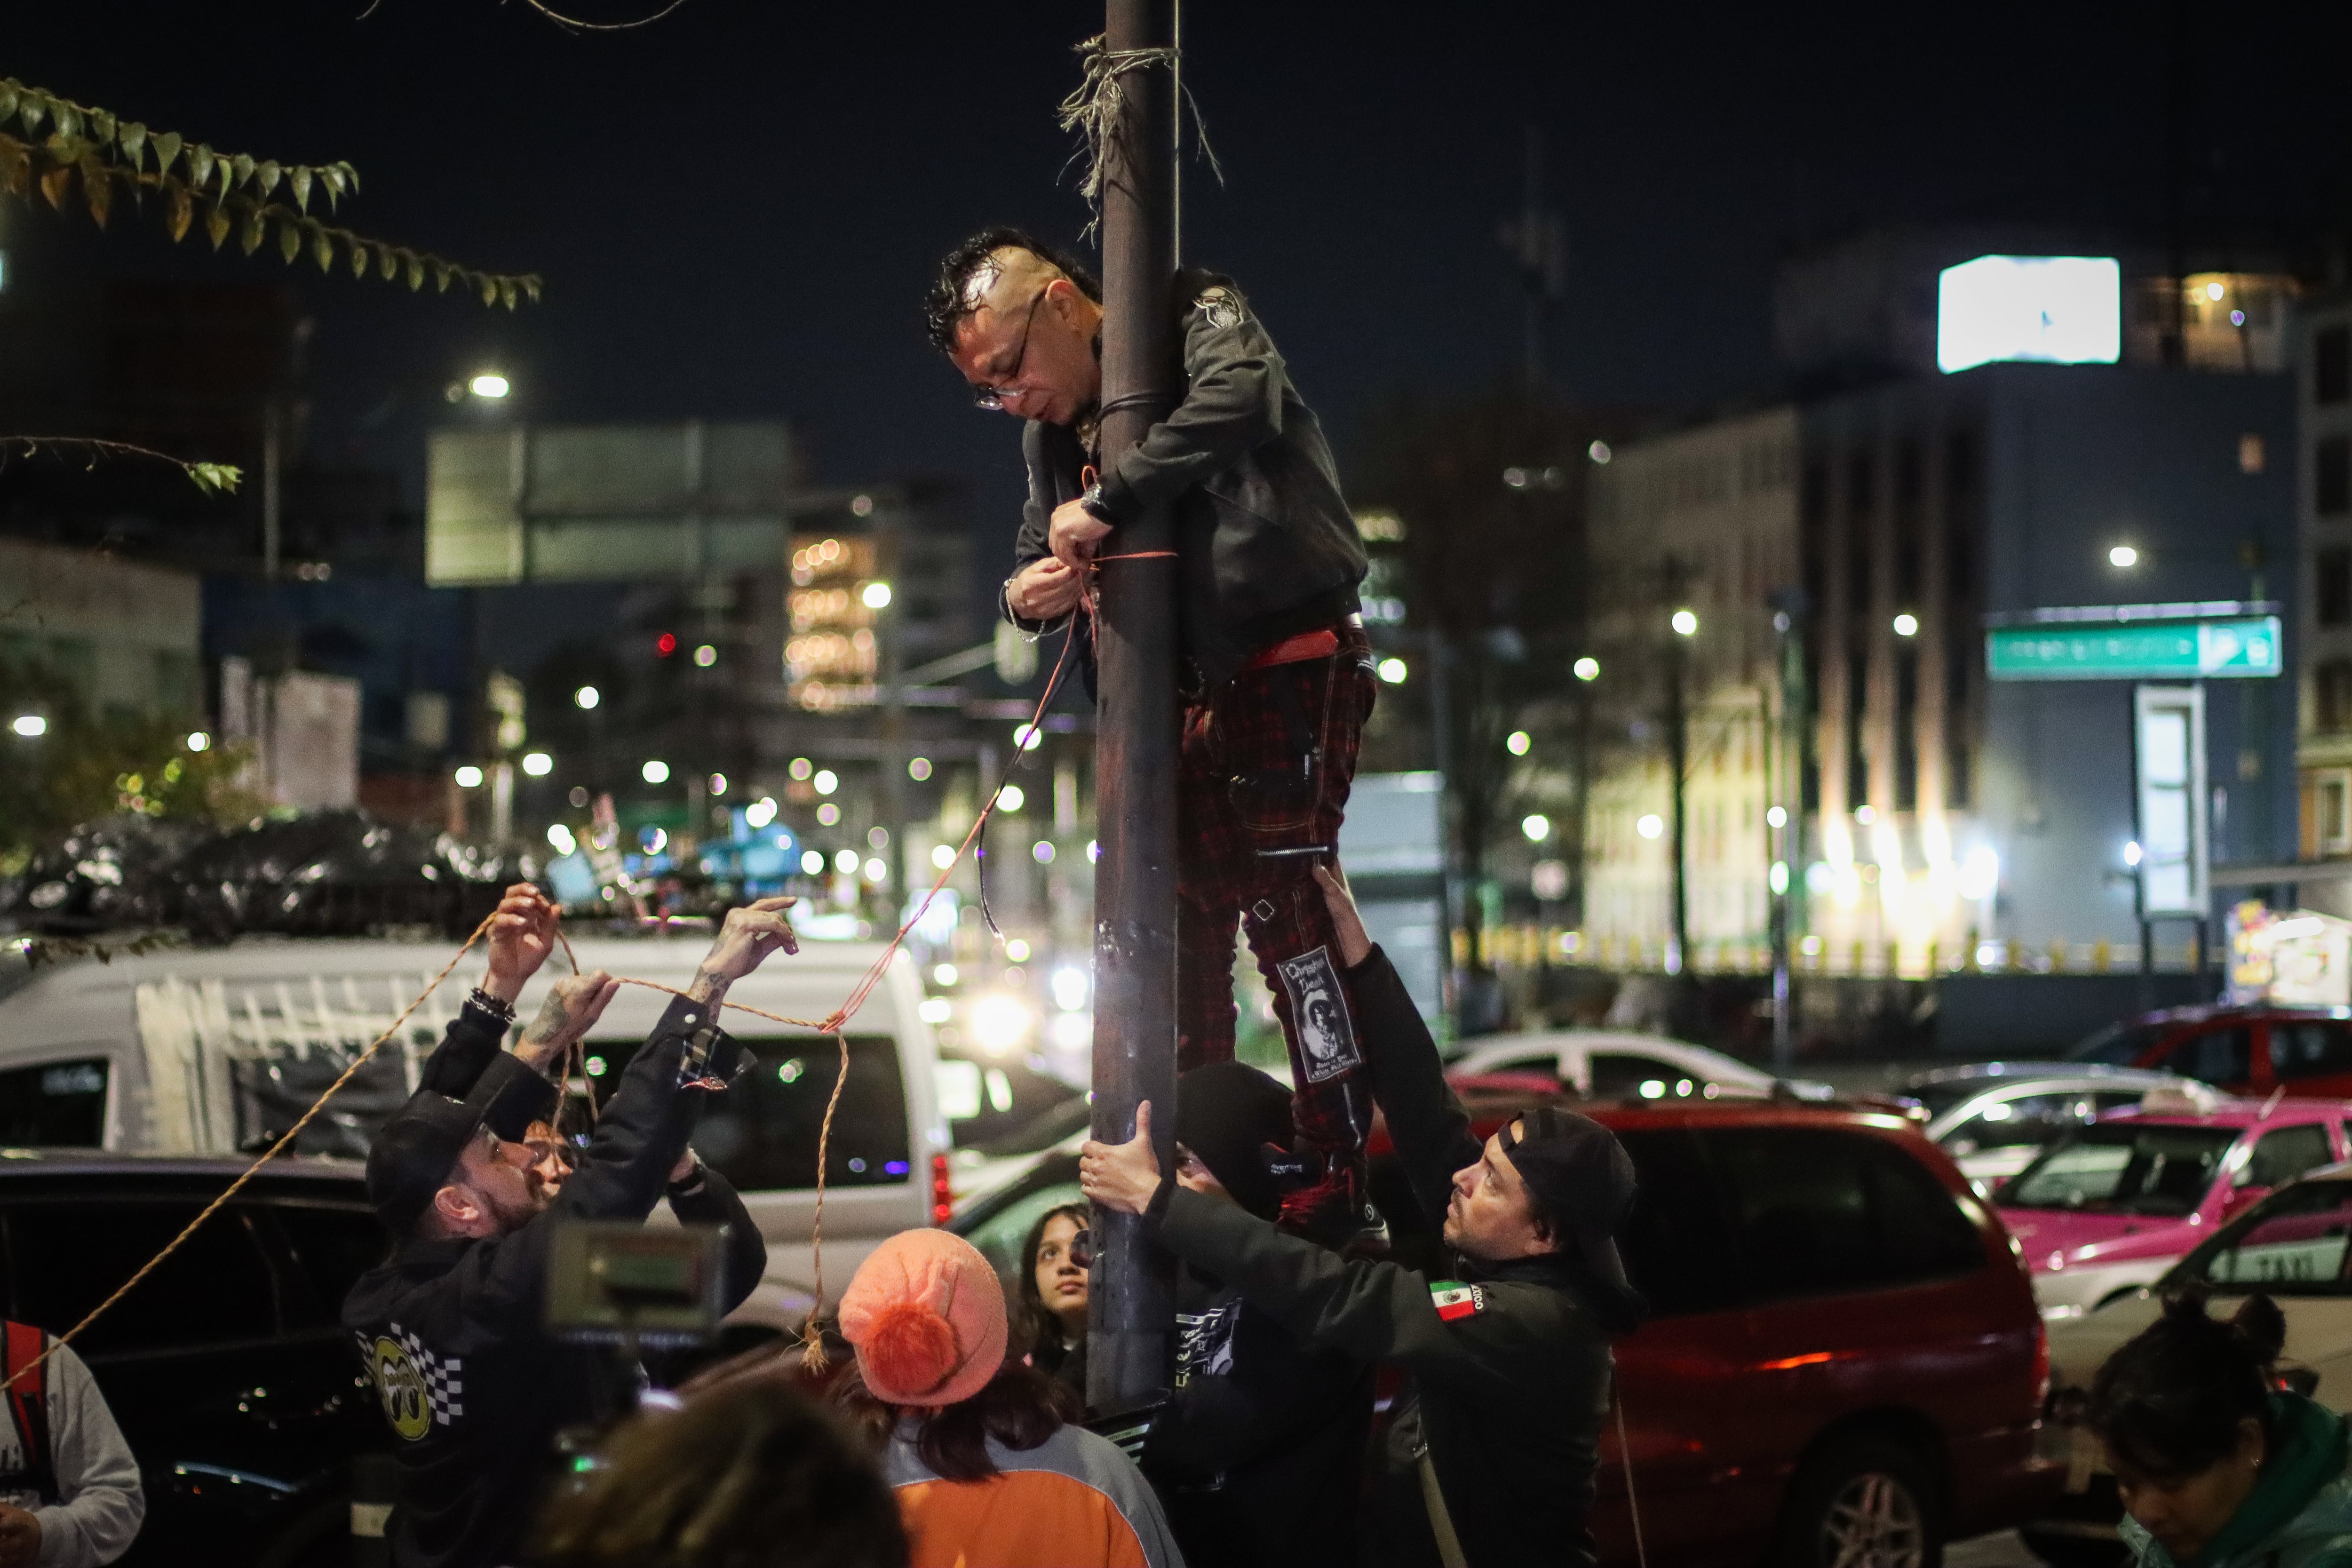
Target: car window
x,y
2130,1167
64,1258
1000,1235
2282,1155
1543,1062
763,1132
2216,1057
2310,1050
2117,1045
2292,1244
331,1246
982,1102
1678,1241
55,1105
1620,1075
2027,1122
1820,1212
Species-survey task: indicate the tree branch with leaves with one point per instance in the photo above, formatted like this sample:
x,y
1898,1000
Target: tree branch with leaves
x,y
57,144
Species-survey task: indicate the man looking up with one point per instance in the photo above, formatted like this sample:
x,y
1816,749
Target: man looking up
x,y
1510,1362
451,1325
1275,673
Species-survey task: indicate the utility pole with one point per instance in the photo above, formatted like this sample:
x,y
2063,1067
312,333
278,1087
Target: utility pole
x,y
1678,770
1131,1305
1538,239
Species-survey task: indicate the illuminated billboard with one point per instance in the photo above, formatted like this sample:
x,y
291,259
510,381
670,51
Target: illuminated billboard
x,y
2059,309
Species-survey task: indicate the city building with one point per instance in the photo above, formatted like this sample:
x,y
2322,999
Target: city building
x,y
1936,817
126,636
2323,661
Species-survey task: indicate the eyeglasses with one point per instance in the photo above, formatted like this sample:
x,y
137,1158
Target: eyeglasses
x,y
992,398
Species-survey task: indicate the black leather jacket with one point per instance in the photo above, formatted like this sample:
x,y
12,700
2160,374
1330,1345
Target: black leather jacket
x,y
1264,542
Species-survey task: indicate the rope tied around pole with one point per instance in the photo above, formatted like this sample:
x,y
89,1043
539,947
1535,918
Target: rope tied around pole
x,y
1094,107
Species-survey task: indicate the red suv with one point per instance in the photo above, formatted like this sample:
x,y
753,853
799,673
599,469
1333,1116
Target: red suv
x,y
1844,1362
2245,1050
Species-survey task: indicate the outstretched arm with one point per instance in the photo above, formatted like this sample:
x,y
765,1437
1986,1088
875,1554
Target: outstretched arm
x,y
1431,1128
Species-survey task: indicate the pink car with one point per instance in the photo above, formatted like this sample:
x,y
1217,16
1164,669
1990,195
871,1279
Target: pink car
x,y
2108,1209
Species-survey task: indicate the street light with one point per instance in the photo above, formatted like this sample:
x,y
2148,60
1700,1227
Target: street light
x,y
1587,669
2123,555
586,697
469,777
489,383
538,764
31,726
1907,624
1518,742
655,772
877,596
199,741
1685,624
1393,671
1537,827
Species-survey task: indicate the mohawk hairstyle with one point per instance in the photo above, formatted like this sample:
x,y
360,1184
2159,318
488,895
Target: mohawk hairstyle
x,y
945,305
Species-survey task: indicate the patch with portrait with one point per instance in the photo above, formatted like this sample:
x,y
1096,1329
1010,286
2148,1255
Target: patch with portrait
x,y
1319,1011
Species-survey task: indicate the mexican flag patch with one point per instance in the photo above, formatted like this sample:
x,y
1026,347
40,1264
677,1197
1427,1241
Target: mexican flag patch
x,y
1454,1300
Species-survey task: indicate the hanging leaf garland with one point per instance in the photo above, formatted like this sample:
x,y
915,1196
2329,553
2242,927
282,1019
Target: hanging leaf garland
x,y
237,188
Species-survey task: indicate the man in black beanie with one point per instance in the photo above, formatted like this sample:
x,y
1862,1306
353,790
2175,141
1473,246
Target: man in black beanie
x,y
1259,1457
1499,1431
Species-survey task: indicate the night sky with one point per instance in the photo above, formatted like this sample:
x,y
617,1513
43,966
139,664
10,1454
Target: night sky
x,y
737,209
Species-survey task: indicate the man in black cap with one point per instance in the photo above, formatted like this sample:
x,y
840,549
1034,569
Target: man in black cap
x,y
1261,1445
1509,1359
451,1324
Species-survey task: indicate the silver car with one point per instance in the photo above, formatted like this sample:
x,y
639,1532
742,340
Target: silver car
x,y
1993,1118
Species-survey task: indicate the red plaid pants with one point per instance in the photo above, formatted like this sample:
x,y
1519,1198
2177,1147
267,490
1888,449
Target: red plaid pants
x,y
1267,761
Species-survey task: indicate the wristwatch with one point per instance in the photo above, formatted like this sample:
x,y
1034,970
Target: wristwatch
x,y
1092,501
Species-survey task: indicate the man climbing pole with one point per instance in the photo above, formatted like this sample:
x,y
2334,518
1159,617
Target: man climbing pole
x,y
1275,678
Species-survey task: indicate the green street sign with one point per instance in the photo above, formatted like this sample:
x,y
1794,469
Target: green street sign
x,y
2241,649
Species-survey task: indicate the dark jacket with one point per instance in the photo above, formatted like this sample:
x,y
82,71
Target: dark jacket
x,y
1259,1453
1511,1391
452,1330
1266,546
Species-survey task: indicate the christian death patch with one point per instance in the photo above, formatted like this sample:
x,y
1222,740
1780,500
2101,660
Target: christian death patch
x,y
1319,1008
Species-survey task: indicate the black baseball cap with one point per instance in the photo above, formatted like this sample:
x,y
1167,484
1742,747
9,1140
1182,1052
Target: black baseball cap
x,y
412,1157
1582,1180
1226,1113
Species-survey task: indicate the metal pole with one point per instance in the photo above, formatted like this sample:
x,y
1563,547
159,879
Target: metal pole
x,y
272,533
889,630
1131,1307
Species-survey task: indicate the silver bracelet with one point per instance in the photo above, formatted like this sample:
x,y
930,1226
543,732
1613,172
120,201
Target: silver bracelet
x,y
502,1011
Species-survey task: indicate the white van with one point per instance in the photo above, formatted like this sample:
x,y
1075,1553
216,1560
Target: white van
x,y
217,1050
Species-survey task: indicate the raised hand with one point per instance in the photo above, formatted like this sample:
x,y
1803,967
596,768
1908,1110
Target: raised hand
x,y
1355,943
572,1007
749,935
523,933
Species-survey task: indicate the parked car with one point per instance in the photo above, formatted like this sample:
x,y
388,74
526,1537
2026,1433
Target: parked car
x,y
1993,1118
2241,1050
1844,1362
215,1050
1610,1065
226,1369
2111,1207
2295,1246
1000,1114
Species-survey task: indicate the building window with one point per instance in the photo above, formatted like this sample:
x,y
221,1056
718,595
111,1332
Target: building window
x,y
1907,730
2332,475
2331,811
2331,355
2331,695
2331,573
1857,726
